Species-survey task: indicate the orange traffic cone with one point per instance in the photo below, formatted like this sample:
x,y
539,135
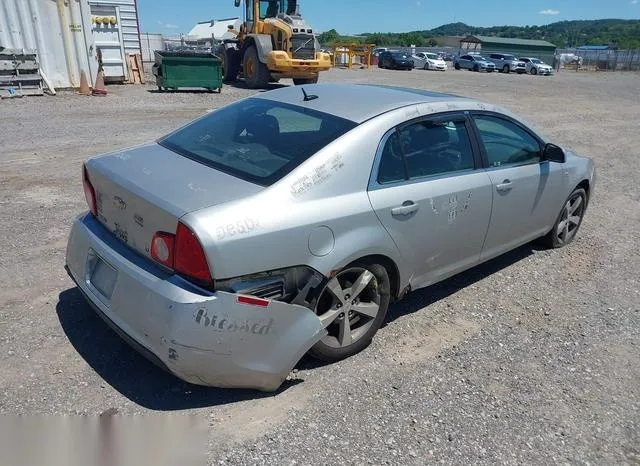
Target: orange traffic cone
x,y
99,88
84,84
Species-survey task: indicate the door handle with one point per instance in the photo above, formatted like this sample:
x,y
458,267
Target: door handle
x,y
407,207
505,186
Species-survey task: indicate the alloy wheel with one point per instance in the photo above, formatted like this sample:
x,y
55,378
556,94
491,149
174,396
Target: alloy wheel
x,y
570,218
348,306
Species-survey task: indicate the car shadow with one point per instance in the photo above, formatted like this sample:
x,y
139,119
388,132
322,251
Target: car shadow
x,y
130,373
419,299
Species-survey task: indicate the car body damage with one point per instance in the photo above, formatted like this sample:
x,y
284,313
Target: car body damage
x,y
203,338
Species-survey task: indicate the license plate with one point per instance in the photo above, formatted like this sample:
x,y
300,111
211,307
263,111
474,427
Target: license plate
x,y
104,278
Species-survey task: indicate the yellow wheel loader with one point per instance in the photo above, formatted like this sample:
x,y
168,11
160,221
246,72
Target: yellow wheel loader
x,y
273,42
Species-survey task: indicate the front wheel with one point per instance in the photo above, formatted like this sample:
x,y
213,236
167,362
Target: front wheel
x,y
457,66
569,220
505,69
534,70
426,66
352,307
301,81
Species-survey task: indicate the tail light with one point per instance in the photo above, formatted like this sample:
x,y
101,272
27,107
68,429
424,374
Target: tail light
x,y
89,192
190,259
183,253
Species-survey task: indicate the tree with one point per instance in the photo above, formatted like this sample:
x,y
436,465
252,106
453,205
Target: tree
x,y
329,36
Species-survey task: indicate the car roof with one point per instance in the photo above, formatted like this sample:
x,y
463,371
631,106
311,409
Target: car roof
x,y
355,102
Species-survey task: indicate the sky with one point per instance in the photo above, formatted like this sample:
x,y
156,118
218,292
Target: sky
x,y
356,16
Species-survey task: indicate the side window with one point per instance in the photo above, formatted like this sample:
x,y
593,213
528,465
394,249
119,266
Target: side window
x,y
505,142
433,148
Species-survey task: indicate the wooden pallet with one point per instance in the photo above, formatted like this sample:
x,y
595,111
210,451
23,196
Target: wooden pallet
x,y
19,73
136,68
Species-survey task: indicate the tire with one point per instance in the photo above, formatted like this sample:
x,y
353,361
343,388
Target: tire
x,y
505,69
302,81
230,65
555,239
256,73
534,70
374,298
476,68
457,66
426,66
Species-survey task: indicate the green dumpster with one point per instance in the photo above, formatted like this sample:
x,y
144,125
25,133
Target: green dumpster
x,y
187,69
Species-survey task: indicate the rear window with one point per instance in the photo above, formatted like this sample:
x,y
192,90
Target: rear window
x,y
257,140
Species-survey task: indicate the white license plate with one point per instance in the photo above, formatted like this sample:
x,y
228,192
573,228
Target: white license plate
x,y
104,278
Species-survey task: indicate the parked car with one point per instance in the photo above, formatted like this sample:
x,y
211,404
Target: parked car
x,y
474,63
446,56
536,66
429,61
395,60
284,223
506,63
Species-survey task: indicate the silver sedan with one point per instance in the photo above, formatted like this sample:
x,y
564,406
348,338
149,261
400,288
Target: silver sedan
x,y
286,223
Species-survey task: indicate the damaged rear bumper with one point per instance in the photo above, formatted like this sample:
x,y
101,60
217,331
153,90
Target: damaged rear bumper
x,y
203,338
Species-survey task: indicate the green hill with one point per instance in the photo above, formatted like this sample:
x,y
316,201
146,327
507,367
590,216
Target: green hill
x,y
620,33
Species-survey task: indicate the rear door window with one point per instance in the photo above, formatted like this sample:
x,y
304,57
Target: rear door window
x,y
255,139
426,148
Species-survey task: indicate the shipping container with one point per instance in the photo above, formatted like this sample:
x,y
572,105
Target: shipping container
x,y
60,33
116,33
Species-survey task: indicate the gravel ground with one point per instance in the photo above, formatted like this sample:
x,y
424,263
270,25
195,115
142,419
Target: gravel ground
x,y
531,358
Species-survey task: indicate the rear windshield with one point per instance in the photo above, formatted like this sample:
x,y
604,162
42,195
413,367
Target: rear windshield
x,y
257,140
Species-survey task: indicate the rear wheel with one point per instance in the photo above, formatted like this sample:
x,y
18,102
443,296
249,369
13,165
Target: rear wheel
x,y
301,81
569,220
230,65
256,73
352,307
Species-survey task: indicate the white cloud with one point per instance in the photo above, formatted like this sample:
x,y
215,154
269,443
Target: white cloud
x,y
549,12
419,3
634,2
171,26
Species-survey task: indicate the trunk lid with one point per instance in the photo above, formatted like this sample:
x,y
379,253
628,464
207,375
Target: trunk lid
x,y
148,188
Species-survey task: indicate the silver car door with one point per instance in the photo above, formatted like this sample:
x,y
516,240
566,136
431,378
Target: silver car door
x,y
527,191
431,196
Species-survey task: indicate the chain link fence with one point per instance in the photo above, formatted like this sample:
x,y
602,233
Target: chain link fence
x,y
602,60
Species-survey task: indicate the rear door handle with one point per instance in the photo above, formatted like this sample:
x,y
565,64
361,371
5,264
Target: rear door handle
x,y
408,207
505,186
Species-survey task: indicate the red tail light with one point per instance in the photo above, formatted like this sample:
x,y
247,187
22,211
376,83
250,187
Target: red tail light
x,y
253,301
89,192
190,259
163,248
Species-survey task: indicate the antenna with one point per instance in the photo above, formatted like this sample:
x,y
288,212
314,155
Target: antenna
x,y
308,97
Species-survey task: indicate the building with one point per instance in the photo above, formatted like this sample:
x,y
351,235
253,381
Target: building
x,y
519,47
206,32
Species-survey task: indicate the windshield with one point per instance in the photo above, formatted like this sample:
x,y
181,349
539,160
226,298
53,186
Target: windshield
x,y
509,57
535,60
257,140
478,58
432,56
399,55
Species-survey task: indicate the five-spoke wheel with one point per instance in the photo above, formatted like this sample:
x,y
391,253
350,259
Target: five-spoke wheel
x,y
569,220
352,307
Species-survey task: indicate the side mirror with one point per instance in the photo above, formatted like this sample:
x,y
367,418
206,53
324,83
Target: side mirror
x,y
237,3
553,153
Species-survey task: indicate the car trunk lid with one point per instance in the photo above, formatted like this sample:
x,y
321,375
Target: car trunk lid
x,y
148,188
